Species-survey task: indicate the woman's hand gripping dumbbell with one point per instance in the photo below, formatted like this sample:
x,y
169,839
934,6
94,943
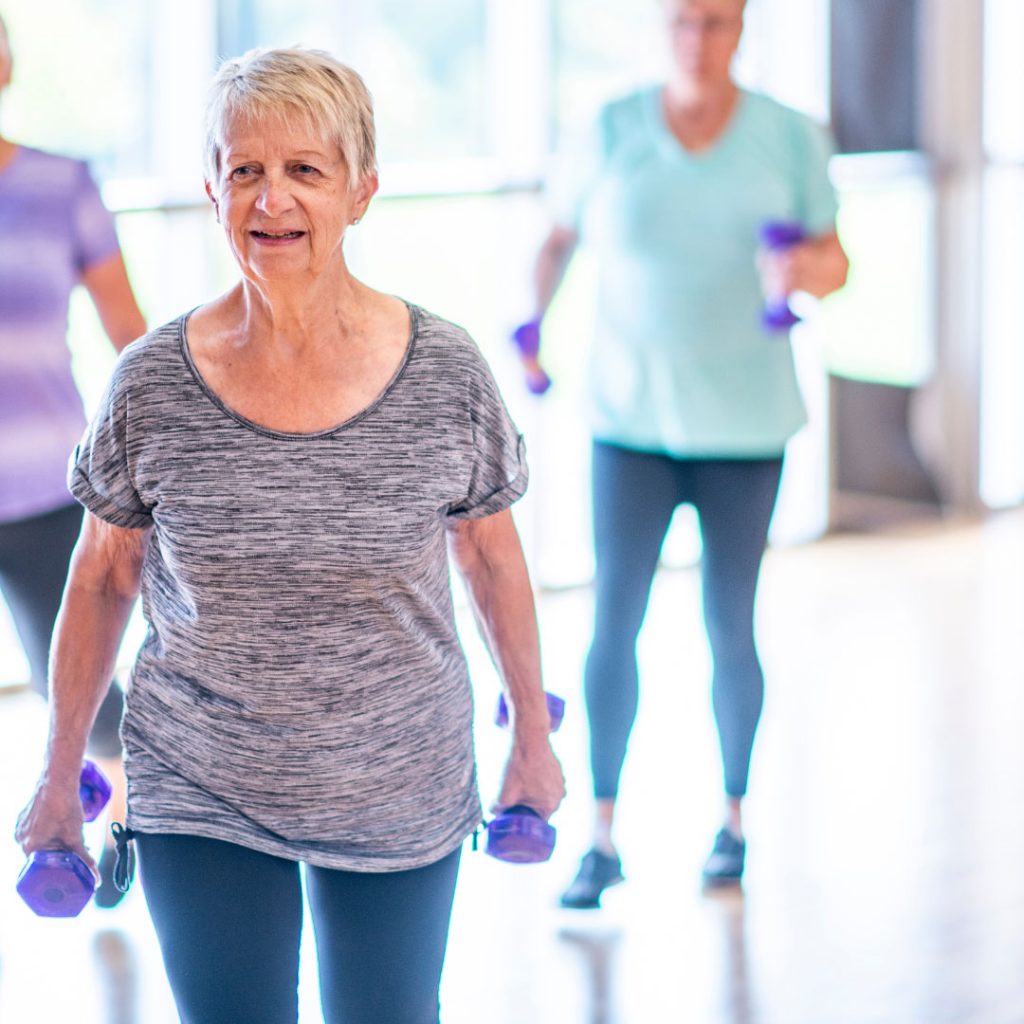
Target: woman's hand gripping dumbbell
x,y
519,835
776,238
58,882
526,338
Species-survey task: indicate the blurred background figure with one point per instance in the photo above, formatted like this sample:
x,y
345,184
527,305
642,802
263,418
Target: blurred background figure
x,y
56,235
692,398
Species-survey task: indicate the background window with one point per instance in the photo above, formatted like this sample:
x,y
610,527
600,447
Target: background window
x,y
424,64
879,327
87,90
1002,363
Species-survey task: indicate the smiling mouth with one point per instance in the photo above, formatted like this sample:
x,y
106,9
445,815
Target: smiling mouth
x,y
278,234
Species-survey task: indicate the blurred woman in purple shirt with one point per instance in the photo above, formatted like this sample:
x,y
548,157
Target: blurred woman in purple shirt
x,y
55,233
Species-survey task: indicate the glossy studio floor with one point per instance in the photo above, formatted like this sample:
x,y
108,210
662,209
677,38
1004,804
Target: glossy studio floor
x,y
886,821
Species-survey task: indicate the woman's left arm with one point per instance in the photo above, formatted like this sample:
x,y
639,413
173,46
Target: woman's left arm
x,y
489,557
111,292
817,266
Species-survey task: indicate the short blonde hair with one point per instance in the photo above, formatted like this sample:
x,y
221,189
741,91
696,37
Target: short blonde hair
x,y
263,85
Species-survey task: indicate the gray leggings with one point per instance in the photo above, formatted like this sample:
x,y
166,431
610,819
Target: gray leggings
x,y
34,557
634,496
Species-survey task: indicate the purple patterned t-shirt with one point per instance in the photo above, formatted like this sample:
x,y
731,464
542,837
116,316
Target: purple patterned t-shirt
x,y
53,225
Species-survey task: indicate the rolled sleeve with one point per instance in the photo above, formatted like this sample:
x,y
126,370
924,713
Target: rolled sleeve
x,y
502,498
497,473
99,473
90,498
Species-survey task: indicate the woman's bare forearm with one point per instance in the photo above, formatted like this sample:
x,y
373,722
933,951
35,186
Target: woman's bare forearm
x,y
102,588
88,634
490,559
552,262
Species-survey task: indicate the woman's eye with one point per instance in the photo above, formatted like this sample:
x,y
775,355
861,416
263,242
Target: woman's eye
x,y
241,172
305,169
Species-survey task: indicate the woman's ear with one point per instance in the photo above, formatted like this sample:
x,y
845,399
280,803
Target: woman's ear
x,y
213,199
364,192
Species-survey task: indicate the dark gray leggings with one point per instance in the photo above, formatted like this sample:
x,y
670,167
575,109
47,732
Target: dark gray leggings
x,y
34,558
229,921
634,497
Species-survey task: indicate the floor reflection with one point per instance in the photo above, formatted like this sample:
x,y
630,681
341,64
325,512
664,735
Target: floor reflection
x,y
596,943
727,909
117,976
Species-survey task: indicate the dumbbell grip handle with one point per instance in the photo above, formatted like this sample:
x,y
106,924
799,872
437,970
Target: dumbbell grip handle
x,y
555,705
521,809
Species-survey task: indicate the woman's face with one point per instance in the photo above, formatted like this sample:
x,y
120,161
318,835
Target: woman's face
x,y
703,36
283,197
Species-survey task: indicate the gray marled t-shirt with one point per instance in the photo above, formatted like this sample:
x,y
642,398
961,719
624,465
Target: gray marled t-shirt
x,y
301,689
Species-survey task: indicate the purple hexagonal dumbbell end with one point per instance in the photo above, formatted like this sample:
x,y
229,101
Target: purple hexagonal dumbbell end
x,y
56,883
519,835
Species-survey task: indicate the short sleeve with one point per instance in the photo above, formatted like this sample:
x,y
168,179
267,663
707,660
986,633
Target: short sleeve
x,y
817,196
94,236
575,171
497,473
99,475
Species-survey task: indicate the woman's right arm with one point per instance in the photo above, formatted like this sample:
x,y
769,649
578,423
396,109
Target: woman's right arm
x,y
111,292
552,262
103,584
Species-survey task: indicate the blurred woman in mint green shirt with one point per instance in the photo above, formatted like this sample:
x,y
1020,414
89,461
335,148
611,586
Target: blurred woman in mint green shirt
x,y
690,400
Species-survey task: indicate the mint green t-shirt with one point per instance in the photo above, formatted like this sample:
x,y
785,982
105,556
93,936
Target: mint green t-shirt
x,y
680,363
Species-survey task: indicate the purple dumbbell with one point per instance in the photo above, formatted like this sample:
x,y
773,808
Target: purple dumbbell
x,y
94,790
777,235
556,709
526,338
519,835
57,883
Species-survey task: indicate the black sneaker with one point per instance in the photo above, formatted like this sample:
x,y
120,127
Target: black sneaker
x,y
597,872
724,865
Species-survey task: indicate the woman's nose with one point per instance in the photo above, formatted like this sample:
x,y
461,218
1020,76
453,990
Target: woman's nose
x,y
275,197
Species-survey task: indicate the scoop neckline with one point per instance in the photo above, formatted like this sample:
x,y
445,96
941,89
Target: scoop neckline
x,y
288,435
670,144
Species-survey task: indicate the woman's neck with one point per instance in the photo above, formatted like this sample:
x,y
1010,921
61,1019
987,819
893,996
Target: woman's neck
x,y
698,117
699,101
293,318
